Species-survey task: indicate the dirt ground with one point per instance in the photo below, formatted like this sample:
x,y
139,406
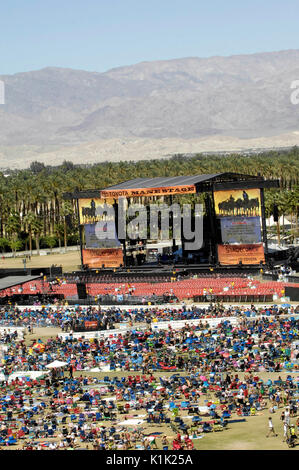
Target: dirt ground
x,y
70,261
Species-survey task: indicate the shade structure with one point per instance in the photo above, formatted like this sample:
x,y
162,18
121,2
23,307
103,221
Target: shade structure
x,y
23,374
54,364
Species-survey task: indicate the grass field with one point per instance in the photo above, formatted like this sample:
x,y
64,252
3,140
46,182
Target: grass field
x,y
69,261
243,435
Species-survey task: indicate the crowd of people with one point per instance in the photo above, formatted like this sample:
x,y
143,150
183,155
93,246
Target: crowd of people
x,y
61,411
164,388
250,345
73,317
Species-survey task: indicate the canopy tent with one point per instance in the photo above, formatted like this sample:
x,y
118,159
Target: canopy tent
x,y
32,374
282,221
56,363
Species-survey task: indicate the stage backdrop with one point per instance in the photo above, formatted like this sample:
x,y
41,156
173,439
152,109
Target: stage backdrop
x,y
247,254
88,209
245,230
101,235
239,212
109,257
239,202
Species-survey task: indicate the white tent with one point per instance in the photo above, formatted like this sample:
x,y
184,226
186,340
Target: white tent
x,y
56,364
282,221
32,374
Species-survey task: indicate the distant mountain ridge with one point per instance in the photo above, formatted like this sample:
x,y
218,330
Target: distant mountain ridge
x,y
238,97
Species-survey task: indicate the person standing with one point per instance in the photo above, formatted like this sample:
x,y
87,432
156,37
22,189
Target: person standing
x,y
285,431
287,416
270,428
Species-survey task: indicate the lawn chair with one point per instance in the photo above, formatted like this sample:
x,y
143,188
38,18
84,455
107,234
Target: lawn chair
x,y
173,427
217,427
11,440
120,408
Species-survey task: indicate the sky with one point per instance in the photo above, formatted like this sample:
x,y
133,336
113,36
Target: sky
x,y
97,35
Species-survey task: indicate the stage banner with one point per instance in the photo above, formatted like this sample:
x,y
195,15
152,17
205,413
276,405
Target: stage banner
x,y
238,203
88,209
243,230
144,192
109,257
90,325
247,254
101,235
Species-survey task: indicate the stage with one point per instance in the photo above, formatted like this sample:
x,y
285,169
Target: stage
x,y
225,212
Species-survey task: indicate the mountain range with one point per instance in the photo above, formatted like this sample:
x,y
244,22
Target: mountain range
x,y
150,109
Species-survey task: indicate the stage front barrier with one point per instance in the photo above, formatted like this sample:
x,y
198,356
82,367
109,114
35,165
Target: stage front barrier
x,y
163,325
100,333
179,324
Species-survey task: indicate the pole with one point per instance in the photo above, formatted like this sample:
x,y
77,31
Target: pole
x,y
80,234
264,227
278,232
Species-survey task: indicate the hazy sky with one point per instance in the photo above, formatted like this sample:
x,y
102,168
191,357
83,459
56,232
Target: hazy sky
x,y
97,35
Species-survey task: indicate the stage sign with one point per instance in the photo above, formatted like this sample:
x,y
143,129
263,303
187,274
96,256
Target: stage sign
x,y
88,210
90,325
109,257
141,192
247,254
243,230
101,235
238,203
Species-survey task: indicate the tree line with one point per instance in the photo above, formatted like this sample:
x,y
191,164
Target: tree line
x,y
34,215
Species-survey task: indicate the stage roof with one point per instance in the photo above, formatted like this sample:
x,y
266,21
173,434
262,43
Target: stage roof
x,y
162,182
175,185
10,281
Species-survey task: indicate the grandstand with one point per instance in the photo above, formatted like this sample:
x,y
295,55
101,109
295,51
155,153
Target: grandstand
x,y
195,289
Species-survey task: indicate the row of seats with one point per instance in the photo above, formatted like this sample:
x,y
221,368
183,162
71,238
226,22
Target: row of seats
x,y
186,288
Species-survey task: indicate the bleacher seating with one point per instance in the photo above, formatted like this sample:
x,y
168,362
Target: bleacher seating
x,y
182,289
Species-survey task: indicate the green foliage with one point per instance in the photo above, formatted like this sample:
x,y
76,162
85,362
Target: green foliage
x,y
50,241
32,200
15,245
4,242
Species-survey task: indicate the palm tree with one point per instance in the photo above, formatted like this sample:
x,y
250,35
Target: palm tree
x,y
29,220
50,241
3,243
58,232
36,226
66,210
13,224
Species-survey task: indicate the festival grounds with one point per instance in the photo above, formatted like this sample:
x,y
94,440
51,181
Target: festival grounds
x,y
247,433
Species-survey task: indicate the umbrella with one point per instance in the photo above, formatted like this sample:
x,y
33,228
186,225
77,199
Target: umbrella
x,y
56,364
39,346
